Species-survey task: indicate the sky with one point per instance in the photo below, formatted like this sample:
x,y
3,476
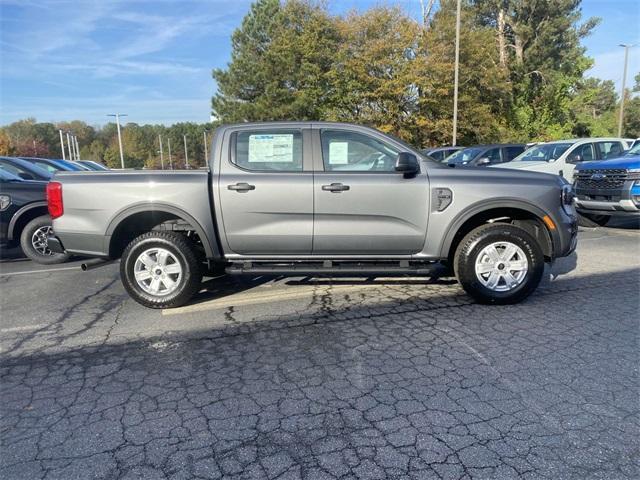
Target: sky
x,y
152,59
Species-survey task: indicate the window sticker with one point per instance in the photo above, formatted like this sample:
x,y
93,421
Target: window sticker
x,y
276,148
338,153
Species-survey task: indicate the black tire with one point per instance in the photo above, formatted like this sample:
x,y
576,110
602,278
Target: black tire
x,y
43,256
472,245
186,255
592,221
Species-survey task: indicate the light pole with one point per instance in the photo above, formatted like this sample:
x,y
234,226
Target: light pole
x,y
169,148
186,155
75,142
455,76
118,115
626,46
206,154
69,145
161,154
64,157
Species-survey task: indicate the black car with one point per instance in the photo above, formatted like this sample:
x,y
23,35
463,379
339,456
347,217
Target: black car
x,y
23,169
24,218
484,155
440,153
54,165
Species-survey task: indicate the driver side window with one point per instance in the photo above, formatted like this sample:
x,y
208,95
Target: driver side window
x,y
585,153
346,151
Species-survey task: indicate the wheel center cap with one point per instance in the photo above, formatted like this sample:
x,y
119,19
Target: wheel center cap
x,y
158,271
501,266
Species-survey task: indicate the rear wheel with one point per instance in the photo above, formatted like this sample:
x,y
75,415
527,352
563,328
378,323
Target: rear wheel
x,y
33,241
499,264
161,269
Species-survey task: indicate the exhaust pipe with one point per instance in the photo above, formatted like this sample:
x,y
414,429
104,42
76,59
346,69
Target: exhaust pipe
x,y
95,263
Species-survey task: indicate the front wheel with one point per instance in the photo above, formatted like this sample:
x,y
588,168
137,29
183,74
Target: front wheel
x,y
499,264
161,269
34,242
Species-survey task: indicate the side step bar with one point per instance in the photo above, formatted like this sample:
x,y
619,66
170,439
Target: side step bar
x,y
332,268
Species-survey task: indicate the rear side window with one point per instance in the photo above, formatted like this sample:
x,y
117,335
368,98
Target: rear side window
x,y
609,149
513,152
269,150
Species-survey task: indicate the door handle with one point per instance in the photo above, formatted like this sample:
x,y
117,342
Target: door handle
x,y
241,187
335,188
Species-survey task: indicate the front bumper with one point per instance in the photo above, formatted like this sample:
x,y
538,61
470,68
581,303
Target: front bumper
x,y
610,202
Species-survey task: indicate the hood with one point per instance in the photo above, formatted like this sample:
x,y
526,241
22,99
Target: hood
x,y
620,162
532,166
498,175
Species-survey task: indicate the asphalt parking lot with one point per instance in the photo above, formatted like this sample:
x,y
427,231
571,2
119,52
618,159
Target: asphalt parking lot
x,y
306,378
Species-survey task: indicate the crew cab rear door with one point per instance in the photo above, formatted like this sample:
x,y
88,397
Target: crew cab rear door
x,y
265,187
362,205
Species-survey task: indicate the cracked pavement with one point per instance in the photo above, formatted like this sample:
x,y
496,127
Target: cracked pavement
x,y
310,378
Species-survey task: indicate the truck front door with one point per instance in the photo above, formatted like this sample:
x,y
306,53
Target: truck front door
x,y
362,205
266,193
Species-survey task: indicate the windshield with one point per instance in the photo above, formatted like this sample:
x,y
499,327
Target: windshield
x,y
543,153
634,151
464,156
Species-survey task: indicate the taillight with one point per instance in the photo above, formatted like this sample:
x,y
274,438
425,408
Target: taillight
x,y
54,199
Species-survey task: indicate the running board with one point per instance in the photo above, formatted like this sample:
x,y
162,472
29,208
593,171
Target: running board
x,y
329,267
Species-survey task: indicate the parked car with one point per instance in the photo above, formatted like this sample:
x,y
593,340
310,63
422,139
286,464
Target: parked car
x,y
485,155
91,165
24,218
295,198
53,166
562,156
24,169
440,153
609,188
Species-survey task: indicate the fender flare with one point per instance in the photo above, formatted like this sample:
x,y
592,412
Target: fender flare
x,y
492,204
209,248
16,216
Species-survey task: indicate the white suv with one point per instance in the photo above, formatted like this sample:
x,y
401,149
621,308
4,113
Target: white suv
x,y
560,157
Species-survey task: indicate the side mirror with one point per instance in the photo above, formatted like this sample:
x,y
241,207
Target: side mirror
x,y
407,163
26,176
483,162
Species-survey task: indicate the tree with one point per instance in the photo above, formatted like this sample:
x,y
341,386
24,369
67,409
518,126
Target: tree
x,y
484,91
373,75
5,144
544,58
632,111
279,60
593,108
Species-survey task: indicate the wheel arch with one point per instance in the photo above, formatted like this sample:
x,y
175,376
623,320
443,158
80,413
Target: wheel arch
x,y
526,215
23,216
141,218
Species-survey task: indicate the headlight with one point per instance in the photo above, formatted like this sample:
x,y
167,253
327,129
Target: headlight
x,y
633,174
5,201
566,198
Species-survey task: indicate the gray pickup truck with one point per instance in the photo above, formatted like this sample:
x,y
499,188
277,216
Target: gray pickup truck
x,y
313,198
